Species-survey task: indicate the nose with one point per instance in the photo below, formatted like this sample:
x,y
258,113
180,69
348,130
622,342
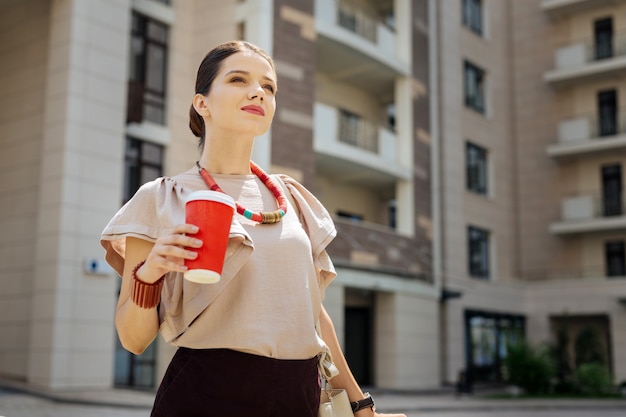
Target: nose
x,y
255,92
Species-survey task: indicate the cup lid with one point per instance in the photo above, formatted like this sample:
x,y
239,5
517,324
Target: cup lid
x,y
211,196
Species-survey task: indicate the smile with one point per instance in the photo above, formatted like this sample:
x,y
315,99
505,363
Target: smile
x,y
254,110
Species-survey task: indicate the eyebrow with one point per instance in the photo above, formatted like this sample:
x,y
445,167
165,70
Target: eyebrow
x,y
247,73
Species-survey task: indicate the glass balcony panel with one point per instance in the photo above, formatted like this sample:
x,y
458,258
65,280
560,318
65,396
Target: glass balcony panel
x,y
588,57
593,126
593,205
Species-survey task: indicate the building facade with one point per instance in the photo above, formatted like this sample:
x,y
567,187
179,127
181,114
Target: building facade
x,y
532,178
470,151
110,83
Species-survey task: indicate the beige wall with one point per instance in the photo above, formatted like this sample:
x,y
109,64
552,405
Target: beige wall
x,y
343,96
82,142
23,77
350,199
494,212
407,328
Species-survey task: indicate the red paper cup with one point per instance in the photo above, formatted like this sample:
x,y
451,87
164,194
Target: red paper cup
x,y
212,212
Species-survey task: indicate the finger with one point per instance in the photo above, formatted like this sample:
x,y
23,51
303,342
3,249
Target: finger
x,y
186,228
180,240
175,253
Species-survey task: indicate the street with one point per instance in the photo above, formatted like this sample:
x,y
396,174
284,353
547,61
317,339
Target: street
x,y
16,404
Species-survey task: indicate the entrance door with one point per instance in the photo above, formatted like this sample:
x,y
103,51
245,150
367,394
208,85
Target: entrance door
x,y
612,190
358,342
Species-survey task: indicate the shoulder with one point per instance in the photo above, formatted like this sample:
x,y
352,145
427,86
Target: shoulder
x,y
166,189
315,218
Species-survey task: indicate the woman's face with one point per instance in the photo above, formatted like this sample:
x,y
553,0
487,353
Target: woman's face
x,y
242,97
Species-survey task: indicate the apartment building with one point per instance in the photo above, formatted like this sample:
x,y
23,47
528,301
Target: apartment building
x,y
532,154
95,103
470,151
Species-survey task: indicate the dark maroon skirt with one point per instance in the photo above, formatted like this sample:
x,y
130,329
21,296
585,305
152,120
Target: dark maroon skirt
x,y
226,383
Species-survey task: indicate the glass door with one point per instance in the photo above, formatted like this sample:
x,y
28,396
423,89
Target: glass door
x,y
603,31
612,190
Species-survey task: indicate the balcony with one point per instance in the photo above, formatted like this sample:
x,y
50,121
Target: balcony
x,y
591,212
559,8
588,134
355,150
358,49
372,247
586,60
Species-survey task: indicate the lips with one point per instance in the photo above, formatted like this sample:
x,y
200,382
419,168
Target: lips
x,y
258,110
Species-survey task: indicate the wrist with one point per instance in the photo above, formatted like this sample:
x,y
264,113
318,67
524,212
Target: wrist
x,y
364,407
143,273
146,295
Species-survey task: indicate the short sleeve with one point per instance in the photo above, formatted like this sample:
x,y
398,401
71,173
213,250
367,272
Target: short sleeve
x,y
155,209
318,224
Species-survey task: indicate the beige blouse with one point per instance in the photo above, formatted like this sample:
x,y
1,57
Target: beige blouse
x,y
274,278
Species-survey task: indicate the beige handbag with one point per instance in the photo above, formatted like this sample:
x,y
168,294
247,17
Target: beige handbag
x,y
333,402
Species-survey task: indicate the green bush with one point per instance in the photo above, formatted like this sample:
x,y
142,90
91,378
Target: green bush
x,y
593,379
531,369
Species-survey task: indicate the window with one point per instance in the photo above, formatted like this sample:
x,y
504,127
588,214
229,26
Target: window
x,y
474,87
607,113
390,113
612,190
478,252
144,162
147,72
615,259
488,335
392,213
603,38
349,215
473,15
476,169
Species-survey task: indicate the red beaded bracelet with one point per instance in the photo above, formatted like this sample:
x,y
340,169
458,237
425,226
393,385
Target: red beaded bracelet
x,y
144,294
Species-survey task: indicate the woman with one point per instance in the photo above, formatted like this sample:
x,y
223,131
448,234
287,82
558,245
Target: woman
x,y
247,345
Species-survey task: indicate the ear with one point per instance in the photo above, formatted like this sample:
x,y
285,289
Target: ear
x,y
199,103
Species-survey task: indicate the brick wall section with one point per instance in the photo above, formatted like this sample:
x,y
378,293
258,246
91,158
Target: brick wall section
x,y
397,255
292,145
421,142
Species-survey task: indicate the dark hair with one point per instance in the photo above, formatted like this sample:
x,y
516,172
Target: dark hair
x,y
209,67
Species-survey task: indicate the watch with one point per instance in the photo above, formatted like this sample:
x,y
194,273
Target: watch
x,y
367,402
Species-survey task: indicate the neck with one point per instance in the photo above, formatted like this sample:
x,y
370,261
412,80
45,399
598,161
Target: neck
x,y
229,155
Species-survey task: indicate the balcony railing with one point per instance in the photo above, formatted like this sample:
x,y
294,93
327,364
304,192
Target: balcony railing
x,y
394,254
335,17
588,54
593,126
356,20
358,132
593,205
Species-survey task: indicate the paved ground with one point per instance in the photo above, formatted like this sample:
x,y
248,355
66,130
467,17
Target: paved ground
x,y
121,403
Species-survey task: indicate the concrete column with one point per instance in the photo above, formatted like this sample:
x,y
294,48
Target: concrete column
x,y
80,182
404,189
618,341
407,341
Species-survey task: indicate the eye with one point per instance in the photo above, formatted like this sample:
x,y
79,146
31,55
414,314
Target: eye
x,y
269,87
237,80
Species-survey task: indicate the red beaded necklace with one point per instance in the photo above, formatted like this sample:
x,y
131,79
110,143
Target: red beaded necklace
x,y
263,217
